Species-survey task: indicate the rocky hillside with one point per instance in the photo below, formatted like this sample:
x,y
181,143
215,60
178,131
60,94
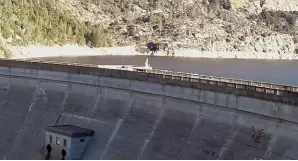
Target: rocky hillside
x,y
218,25
258,26
256,6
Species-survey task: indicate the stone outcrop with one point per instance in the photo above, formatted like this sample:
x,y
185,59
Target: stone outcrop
x,y
256,6
281,5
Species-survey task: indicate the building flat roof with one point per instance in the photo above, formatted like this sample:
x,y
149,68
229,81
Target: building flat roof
x,y
70,130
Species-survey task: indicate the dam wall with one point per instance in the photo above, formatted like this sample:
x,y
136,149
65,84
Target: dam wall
x,y
141,115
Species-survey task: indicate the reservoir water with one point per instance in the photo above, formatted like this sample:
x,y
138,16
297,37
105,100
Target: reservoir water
x,y
274,71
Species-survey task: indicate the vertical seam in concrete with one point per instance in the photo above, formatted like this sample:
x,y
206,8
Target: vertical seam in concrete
x,y
118,125
67,93
67,118
205,97
7,92
197,122
271,145
66,96
9,71
111,138
234,130
198,97
9,84
104,97
98,81
147,140
127,108
69,77
272,142
277,115
35,96
98,91
215,98
228,101
37,73
32,105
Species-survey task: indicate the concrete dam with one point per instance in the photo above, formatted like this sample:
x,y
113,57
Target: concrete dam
x,y
149,114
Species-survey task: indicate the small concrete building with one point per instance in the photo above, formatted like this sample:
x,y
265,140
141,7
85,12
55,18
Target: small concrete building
x,y
66,142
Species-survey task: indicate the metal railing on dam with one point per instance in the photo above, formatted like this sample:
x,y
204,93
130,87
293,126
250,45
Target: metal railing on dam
x,y
260,90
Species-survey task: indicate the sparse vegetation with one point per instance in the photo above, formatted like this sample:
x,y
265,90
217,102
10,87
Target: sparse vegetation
x,y
280,21
4,52
41,21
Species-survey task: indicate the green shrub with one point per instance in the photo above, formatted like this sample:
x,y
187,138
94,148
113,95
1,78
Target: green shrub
x,y
156,19
97,37
280,21
5,31
4,52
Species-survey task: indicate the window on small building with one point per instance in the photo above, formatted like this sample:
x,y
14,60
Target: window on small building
x,y
82,140
64,142
50,139
57,141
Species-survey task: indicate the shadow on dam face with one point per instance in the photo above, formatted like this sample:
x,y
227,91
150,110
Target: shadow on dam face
x,y
141,120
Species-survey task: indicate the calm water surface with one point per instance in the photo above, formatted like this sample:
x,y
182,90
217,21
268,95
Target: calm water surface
x,y
275,71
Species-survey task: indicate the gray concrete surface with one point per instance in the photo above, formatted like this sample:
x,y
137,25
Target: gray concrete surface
x,y
140,120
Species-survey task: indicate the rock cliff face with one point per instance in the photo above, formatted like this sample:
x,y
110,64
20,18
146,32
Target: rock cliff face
x,y
209,25
256,6
281,5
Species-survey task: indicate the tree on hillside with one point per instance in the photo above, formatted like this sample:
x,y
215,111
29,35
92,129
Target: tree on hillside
x,y
97,38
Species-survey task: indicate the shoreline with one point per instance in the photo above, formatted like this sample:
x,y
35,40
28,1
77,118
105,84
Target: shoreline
x,y
36,51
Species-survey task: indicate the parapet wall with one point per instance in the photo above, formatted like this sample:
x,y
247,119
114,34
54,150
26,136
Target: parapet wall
x,y
260,90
